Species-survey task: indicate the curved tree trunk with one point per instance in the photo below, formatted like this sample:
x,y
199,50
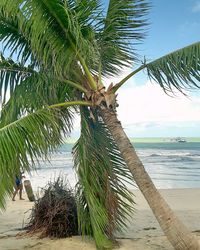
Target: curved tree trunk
x,y
176,232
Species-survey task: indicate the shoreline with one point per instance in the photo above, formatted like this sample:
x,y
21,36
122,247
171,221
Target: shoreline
x,y
159,139
143,231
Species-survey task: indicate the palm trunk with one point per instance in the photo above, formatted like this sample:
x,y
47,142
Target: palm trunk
x,y
176,232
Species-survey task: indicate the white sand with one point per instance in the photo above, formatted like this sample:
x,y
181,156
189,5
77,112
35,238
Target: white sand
x,y
143,231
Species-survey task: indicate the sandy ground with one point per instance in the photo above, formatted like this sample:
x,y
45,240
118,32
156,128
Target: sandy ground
x,y
143,231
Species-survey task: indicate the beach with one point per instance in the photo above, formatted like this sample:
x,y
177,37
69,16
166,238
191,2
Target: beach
x,y
174,169
143,231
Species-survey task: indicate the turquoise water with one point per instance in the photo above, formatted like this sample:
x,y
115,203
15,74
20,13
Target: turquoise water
x,y
170,165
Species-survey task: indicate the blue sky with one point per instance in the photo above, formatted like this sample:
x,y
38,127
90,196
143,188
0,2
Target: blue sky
x,y
145,111
173,24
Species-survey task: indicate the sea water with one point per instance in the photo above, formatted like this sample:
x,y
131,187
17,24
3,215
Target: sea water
x,y
170,165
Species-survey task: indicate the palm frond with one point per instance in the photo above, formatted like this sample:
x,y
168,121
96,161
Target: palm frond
x,y
14,40
88,14
72,20
178,70
26,140
11,75
53,31
120,31
40,32
23,89
33,93
103,199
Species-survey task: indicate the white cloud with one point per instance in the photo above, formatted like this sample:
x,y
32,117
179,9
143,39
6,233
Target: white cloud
x,y
148,103
196,7
146,110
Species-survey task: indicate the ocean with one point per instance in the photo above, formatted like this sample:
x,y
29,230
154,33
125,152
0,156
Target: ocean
x,y
170,165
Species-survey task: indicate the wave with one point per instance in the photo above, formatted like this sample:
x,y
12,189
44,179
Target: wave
x,y
169,165
174,179
181,154
53,168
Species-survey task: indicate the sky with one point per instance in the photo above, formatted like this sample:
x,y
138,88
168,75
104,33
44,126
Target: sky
x,y
144,109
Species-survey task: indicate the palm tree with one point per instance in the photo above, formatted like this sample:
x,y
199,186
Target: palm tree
x,y
61,52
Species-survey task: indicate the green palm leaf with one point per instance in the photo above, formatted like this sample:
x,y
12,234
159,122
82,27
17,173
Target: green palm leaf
x,y
46,44
177,70
33,93
11,74
13,39
23,89
121,29
26,140
103,199
52,30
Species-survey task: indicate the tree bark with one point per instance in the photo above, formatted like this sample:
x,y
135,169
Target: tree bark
x,y
174,229
29,190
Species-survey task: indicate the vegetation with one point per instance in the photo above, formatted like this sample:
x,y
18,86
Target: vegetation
x,y
55,213
58,55
103,199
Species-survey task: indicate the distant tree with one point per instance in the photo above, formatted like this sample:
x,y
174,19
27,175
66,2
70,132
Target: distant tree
x,y
62,51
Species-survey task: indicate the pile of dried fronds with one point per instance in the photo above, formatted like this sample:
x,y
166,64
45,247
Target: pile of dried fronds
x,y
55,213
